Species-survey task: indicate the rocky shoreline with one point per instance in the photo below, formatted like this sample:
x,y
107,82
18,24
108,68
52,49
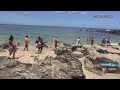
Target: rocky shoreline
x,y
66,65
116,32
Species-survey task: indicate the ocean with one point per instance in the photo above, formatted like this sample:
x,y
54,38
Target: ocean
x,y
65,34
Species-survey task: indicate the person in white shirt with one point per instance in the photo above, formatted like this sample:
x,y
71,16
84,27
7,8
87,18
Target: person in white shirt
x,y
78,41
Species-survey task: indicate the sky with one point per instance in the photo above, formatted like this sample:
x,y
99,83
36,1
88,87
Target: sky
x,y
89,19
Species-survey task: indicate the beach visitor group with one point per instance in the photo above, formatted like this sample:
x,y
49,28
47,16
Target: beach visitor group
x,y
13,45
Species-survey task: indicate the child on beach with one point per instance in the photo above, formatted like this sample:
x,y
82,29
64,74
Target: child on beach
x,y
55,42
26,41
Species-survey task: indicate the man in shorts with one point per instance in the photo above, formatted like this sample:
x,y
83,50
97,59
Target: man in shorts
x,y
26,41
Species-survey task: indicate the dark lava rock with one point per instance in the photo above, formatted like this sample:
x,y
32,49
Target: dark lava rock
x,y
12,69
62,50
8,63
44,69
93,64
11,63
61,58
73,73
74,48
47,61
5,45
67,45
115,48
86,51
103,51
74,69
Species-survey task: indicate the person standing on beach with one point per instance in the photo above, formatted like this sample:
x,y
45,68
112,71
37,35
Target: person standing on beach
x,y
11,38
11,45
108,41
26,41
55,42
40,44
92,42
103,41
15,47
89,40
78,41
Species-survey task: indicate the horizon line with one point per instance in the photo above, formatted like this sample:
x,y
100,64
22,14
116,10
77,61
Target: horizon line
x,y
54,26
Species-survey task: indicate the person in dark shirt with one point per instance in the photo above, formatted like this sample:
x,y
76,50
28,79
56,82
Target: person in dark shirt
x,y
40,44
11,38
92,42
11,45
108,41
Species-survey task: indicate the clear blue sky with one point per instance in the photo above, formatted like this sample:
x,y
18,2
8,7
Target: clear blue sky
x,y
62,18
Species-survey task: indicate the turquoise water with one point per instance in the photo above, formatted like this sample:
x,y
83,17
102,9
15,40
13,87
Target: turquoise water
x,y
67,35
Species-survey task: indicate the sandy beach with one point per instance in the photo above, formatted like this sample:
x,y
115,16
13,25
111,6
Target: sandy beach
x,y
30,55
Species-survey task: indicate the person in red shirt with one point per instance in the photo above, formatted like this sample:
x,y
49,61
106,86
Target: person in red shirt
x,y
92,42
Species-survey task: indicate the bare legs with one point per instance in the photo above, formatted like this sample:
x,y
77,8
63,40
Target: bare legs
x,y
40,50
13,54
26,47
55,46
